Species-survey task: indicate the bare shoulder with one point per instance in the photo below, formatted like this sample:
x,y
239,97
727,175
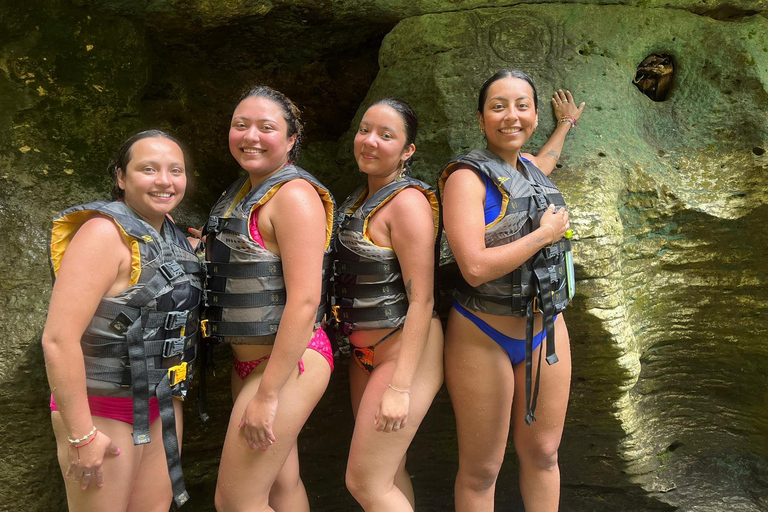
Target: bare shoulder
x,y
101,230
296,190
408,202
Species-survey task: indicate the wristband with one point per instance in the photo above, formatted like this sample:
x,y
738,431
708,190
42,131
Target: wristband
x,y
393,388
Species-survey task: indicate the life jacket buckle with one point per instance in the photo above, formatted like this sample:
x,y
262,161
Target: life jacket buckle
x,y
177,374
204,328
535,305
215,224
121,323
176,319
171,270
541,201
173,347
335,311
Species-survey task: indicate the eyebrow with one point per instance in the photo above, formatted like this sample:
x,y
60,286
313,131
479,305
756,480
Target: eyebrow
x,y
387,128
524,97
153,162
266,119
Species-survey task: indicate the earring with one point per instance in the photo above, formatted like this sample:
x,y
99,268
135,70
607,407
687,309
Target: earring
x,y
401,172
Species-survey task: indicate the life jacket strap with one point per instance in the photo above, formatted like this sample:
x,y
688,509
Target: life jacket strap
x,y
220,329
367,291
245,300
363,268
352,315
243,270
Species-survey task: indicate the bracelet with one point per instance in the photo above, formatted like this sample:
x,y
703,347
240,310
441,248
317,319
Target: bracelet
x,y
553,231
74,442
393,388
568,119
88,441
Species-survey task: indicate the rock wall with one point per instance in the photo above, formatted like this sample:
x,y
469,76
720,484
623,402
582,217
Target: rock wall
x,y
669,206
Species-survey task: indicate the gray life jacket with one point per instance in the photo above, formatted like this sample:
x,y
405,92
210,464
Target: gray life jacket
x,y
368,289
543,284
244,287
142,342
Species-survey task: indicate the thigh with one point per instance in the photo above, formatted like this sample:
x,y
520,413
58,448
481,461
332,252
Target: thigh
x,y
480,381
358,380
119,470
152,485
379,455
245,475
554,389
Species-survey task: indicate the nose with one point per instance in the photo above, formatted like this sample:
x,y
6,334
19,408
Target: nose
x,y
370,140
251,134
163,178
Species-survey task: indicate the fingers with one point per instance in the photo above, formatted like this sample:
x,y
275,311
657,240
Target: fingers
x,y
100,477
195,232
85,480
568,96
113,449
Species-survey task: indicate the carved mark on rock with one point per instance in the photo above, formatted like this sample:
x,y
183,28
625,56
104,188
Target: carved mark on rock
x,y
522,40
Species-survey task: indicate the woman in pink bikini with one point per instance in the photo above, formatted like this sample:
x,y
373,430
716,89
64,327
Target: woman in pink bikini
x,y
383,290
268,241
121,337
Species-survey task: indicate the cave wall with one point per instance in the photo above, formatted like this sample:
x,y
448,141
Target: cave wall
x,y
668,403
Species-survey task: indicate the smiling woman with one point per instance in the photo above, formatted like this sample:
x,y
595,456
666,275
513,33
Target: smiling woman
x,y
267,240
121,335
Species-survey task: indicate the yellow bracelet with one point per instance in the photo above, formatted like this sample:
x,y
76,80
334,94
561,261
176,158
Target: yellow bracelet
x,y
553,231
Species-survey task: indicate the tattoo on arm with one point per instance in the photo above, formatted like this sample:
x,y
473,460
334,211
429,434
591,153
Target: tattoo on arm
x,y
408,288
554,155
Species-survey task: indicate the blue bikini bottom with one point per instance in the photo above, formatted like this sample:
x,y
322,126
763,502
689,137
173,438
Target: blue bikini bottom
x,y
514,347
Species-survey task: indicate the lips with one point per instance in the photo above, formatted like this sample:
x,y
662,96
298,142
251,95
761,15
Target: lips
x,y
510,131
368,156
161,195
252,151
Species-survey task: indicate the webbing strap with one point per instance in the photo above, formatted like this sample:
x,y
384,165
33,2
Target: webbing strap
x,y
106,347
365,267
167,274
372,314
244,270
353,224
367,291
139,383
243,329
171,441
217,224
246,300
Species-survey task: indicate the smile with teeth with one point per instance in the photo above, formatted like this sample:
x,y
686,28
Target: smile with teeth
x,y
163,195
252,151
510,130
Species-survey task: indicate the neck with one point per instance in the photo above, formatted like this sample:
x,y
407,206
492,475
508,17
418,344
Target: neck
x,y
258,179
376,183
156,222
510,157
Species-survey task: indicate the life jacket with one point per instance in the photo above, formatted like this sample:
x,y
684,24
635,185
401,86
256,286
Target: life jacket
x,y
142,342
368,289
244,287
543,284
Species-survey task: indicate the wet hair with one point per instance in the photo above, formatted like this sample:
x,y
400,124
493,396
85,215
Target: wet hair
x,y
505,73
124,155
291,113
409,117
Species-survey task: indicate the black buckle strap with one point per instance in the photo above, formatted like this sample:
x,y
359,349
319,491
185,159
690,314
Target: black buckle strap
x,y
218,224
367,291
176,320
171,270
174,346
242,329
353,224
170,441
541,201
365,267
351,315
245,300
243,270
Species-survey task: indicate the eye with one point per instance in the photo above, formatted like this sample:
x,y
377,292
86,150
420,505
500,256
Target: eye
x,y
386,136
267,128
177,171
498,106
239,125
148,169
362,130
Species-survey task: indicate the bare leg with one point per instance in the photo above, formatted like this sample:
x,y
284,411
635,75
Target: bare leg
x,y
246,476
376,458
137,479
481,383
538,443
288,493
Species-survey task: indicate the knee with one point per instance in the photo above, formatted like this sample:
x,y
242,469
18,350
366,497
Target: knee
x,y
359,487
479,476
220,501
541,455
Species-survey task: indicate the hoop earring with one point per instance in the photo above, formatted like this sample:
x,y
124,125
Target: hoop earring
x,y
401,173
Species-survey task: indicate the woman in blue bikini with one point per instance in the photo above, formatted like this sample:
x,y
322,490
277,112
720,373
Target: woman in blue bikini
x,y
506,224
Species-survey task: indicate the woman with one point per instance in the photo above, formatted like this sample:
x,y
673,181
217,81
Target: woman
x,y
121,334
383,291
266,241
505,222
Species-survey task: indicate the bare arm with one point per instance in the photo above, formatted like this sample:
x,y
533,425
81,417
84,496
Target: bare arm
x,y
298,220
96,263
549,154
465,229
412,234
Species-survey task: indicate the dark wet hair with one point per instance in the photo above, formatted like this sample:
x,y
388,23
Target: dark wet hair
x,y
505,73
124,155
409,117
291,113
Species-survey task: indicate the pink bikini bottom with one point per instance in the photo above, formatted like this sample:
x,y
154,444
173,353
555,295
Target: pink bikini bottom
x,y
115,408
319,343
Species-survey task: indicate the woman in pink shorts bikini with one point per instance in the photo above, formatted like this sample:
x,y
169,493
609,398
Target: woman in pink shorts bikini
x,y
121,337
268,240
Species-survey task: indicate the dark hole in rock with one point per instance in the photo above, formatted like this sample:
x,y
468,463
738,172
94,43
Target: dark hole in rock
x,y
559,166
654,76
662,152
758,151
601,154
674,446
